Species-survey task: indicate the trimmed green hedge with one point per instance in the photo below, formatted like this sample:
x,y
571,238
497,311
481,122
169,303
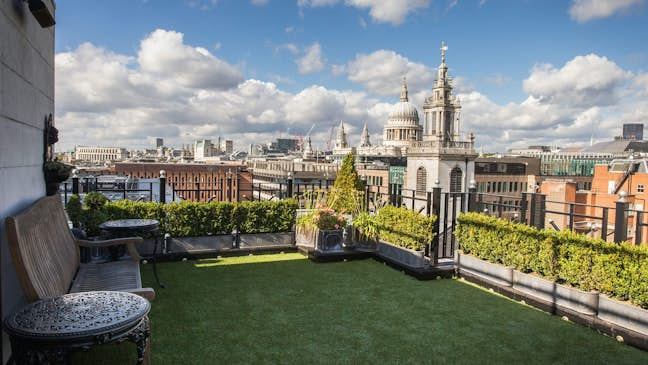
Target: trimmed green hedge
x,y
404,227
617,270
187,219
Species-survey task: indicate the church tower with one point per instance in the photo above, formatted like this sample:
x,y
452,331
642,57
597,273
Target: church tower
x,y
442,158
442,110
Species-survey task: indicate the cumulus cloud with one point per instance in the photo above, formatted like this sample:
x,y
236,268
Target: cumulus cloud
x,y
382,11
589,95
105,98
584,81
312,60
163,52
380,72
585,10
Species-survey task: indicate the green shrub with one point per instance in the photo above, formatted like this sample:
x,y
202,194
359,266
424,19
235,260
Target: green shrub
x,y
95,200
366,226
618,270
74,210
187,219
404,227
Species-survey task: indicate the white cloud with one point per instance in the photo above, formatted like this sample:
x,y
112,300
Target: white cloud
x,y
585,80
259,2
290,47
312,60
585,10
104,98
382,11
163,52
381,72
589,95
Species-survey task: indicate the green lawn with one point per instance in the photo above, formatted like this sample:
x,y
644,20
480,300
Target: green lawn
x,y
286,309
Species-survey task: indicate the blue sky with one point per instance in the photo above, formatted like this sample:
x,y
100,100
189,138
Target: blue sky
x,y
531,71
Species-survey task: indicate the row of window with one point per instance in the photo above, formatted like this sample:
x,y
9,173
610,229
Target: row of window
x,y
501,187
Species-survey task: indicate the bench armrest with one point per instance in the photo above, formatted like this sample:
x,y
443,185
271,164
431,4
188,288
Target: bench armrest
x,y
130,243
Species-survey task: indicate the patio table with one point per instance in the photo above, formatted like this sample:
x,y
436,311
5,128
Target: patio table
x,y
136,227
49,330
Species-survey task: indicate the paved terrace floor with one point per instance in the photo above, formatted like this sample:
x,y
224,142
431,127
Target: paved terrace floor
x,y
285,309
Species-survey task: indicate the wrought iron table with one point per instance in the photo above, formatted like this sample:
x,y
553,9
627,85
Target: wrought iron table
x,y
49,330
135,227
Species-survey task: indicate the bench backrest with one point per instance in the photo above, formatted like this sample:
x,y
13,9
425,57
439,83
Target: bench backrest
x,y
43,249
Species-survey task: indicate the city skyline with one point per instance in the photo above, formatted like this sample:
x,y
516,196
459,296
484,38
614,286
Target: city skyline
x,y
527,72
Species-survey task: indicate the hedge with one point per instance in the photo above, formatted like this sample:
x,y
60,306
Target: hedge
x,y
187,219
618,270
404,227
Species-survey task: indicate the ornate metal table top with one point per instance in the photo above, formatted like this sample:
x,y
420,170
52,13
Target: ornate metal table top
x,y
142,225
78,315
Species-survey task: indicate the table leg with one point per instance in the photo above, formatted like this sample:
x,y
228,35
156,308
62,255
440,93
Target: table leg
x,y
154,261
140,336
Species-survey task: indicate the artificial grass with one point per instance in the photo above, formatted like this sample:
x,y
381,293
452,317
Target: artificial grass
x,y
285,309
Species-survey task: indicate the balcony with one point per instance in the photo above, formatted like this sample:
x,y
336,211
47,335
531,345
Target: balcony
x,y
282,308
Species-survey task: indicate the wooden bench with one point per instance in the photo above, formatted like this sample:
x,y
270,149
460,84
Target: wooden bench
x,y
46,256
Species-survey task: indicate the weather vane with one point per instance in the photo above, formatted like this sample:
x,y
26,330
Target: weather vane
x,y
444,48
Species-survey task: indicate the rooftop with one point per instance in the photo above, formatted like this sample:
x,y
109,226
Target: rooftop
x,y
284,308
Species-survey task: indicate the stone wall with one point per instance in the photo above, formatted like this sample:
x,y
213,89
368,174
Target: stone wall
x,y
26,98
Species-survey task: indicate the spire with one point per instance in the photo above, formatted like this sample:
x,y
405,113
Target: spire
x,y
444,48
341,141
308,149
364,138
404,97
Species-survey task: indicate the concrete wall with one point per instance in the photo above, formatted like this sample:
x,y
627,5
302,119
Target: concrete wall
x,y
26,98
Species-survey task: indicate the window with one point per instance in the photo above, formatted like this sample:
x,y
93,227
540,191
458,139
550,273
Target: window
x,y
456,176
640,188
421,177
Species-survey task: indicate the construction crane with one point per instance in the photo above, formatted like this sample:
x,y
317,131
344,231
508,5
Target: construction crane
x,y
330,138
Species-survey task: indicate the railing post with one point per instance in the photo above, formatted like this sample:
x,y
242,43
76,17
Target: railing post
x,y
124,190
500,206
571,217
238,187
604,224
197,191
523,208
436,210
162,187
428,203
75,184
621,218
413,198
638,227
289,187
542,210
472,197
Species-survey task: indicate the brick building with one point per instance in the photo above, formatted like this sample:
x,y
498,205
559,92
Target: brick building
x,y
197,182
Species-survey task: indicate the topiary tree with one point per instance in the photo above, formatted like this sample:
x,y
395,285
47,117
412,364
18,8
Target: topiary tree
x,y
347,192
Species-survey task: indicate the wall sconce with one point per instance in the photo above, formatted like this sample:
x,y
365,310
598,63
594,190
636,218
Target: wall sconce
x,y
43,11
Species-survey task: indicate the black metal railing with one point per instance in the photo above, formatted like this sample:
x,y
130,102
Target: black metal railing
x,y
532,209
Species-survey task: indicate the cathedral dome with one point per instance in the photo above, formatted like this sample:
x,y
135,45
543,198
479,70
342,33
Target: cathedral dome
x,y
404,112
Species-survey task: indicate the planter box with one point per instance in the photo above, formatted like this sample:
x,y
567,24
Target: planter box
x,y
365,245
534,286
498,274
623,314
557,294
321,240
577,300
403,256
